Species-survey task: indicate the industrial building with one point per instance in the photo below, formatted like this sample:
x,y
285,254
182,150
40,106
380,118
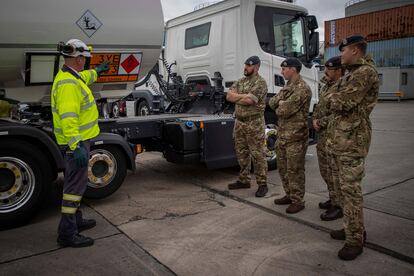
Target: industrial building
x,y
389,29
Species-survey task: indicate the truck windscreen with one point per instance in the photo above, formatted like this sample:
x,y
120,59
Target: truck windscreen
x,y
280,32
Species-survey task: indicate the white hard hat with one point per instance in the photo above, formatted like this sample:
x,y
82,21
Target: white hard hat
x,y
76,47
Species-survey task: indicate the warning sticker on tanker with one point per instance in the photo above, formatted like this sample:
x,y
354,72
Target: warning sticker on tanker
x,y
123,67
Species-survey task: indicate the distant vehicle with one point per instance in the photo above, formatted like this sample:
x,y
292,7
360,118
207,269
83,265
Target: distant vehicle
x,y
143,104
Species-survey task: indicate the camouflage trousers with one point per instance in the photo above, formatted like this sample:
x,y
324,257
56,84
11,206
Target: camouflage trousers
x,y
329,173
291,165
249,144
349,192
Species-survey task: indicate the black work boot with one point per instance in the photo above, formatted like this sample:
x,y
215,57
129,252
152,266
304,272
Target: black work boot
x,y
262,191
86,224
283,201
340,235
238,185
76,241
295,208
350,252
332,214
325,205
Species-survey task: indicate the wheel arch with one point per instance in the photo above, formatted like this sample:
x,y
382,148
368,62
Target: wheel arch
x,y
116,140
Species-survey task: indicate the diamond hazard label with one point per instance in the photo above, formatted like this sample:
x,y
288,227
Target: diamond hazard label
x,y
130,63
89,23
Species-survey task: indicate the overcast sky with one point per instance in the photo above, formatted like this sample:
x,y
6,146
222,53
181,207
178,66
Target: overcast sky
x,y
324,10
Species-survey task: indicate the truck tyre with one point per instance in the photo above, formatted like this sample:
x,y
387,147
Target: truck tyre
x,y
143,108
106,172
24,180
271,137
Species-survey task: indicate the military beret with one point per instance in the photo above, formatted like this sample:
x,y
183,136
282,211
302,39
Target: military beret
x,y
291,62
253,60
333,62
351,40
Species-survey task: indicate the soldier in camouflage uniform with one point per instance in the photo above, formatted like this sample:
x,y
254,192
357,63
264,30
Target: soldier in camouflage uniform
x,y
349,137
292,108
249,94
321,118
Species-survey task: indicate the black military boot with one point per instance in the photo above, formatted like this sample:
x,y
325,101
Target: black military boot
x,y
325,205
76,241
86,224
262,191
295,208
283,201
350,252
332,214
238,185
340,235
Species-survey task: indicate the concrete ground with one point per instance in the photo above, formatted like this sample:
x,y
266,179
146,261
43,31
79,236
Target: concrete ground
x,y
174,219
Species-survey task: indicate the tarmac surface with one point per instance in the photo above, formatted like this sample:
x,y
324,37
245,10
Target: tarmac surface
x,y
170,219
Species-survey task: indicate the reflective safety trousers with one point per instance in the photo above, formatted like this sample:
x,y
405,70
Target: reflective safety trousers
x,y
75,115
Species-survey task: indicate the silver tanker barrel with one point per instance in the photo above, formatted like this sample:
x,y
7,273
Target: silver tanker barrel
x,y
129,33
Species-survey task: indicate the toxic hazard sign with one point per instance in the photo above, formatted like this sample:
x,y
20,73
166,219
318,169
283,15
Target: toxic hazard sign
x,y
123,67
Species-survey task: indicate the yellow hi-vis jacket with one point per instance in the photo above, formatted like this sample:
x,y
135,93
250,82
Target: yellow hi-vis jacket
x,y
75,115
4,109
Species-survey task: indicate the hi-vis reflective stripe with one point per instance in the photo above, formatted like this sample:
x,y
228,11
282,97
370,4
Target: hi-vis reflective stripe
x,y
68,210
86,106
65,82
68,115
74,198
92,77
54,109
73,141
85,96
58,130
88,126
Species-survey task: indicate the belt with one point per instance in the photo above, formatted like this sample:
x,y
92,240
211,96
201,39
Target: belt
x,y
249,118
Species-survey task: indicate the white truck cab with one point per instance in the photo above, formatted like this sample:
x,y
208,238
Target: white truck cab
x,y
220,37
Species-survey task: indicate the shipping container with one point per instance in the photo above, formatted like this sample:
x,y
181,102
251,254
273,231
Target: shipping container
x,y
382,25
386,53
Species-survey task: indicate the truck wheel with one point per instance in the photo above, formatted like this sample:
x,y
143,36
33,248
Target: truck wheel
x,y
271,137
24,179
143,109
106,172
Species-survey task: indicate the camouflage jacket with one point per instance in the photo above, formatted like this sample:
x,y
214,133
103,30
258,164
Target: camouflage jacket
x,y
255,86
292,108
351,103
321,112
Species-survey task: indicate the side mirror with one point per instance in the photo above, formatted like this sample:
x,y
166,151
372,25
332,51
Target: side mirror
x,y
311,22
313,45
2,94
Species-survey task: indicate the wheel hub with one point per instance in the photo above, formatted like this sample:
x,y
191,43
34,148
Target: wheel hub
x,y
145,111
7,179
271,137
102,168
17,183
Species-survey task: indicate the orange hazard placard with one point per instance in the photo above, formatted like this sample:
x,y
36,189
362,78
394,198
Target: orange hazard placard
x,y
123,67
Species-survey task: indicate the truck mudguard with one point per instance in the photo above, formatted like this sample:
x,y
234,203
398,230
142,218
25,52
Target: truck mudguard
x,y
115,139
33,134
